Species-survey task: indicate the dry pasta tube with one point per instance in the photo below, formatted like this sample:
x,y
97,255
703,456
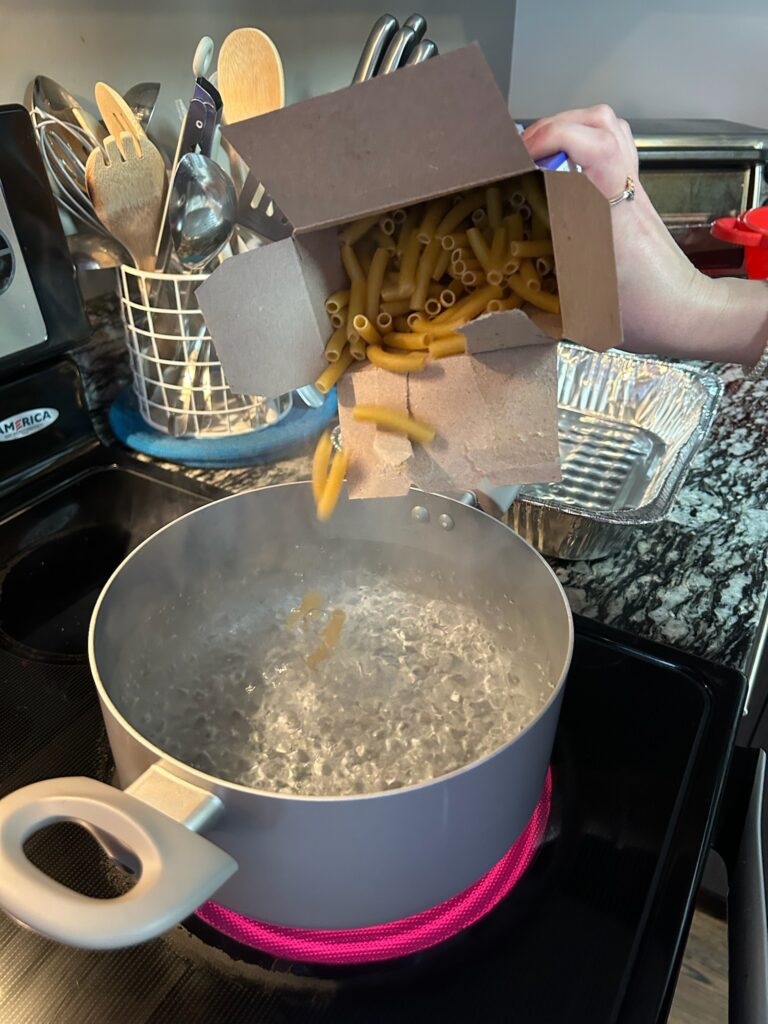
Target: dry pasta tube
x,y
396,362
387,224
338,320
442,265
450,345
417,341
354,232
397,308
498,247
528,274
412,318
319,475
356,305
337,301
408,264
351,263
544,265
537,230
470,278
336,344
433,306
514,226
457,288
375,282
400,324
534,194
424,271
332,490
535,247
433,215
497,305
357,348
457,240
468,308
366,330
541,299
549,284
480,249
398,216
480,219
493,205
392,419
331,373
510,267
514,193
364,257
383,240
458,213
447,298
407,226
383,322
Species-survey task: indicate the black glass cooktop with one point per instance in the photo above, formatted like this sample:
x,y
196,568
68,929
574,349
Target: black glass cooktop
x,y
593,932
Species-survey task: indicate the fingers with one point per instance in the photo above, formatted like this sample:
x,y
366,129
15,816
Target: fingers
x,y
593,137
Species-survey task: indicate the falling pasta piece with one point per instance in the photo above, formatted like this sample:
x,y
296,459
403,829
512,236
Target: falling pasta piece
x,y
392,419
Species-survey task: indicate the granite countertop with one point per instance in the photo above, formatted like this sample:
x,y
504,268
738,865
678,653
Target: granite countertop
x,y
698,581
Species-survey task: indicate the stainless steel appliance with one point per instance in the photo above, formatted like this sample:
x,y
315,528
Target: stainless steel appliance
x,y
696,170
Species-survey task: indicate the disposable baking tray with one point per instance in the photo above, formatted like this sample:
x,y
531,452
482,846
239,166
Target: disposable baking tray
x,y
630,427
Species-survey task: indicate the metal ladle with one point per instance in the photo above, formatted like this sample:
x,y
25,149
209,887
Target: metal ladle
x,y
202,211
142,99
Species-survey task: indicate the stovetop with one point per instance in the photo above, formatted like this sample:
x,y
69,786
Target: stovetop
x,y
593,932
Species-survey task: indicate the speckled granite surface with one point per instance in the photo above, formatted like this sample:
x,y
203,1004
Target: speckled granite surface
x,y
698,581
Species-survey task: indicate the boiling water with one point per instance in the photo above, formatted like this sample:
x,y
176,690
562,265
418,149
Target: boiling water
x,y
424,678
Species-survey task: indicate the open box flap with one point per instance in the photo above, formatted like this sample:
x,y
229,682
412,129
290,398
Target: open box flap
x,y
582,237
424,131
262,310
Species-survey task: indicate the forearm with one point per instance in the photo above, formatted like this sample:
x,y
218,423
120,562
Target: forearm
x,y
723,319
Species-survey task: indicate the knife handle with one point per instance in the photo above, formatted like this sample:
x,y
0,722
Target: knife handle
x,y
379,39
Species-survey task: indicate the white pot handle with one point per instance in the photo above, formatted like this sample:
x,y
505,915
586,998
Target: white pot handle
x,y
179,870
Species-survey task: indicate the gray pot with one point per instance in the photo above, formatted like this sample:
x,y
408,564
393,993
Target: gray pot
x,y
309,862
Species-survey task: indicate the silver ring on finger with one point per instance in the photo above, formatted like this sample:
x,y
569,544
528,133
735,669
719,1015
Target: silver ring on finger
x,y
628,193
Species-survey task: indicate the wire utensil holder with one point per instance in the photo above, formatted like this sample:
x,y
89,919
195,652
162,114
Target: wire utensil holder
x,y
178,380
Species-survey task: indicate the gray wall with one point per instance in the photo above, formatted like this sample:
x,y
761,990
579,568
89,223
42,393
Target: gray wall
x,y
78,42
650,58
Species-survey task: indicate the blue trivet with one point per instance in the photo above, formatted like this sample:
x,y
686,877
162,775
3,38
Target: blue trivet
x,y
281,441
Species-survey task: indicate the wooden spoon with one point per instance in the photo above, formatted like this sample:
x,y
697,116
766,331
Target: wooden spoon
x,y
127,191
250,75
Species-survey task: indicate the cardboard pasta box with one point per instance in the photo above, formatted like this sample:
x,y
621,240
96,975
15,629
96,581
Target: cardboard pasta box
x,y
426,131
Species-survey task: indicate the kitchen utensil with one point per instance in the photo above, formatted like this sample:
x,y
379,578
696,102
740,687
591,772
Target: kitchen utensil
x,y
142,100
203,57
299,861
402,44
250,75
418,23
118,116
91,250
127,190
422,51
201,62
64,148
377,42
201,212
54,99
250,78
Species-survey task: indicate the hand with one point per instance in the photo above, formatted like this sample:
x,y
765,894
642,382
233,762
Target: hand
x,y
667,306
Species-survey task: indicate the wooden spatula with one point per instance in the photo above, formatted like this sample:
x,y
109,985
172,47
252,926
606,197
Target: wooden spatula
x,y
250,75
127,189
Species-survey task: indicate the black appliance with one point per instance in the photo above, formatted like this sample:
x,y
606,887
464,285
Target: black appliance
x,y
646,780
41,310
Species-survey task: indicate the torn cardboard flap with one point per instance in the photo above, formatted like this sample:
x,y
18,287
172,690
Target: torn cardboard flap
x,y
398,139
372,471
265,311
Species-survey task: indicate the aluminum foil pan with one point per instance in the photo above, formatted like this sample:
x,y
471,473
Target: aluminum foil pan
x,y
629,429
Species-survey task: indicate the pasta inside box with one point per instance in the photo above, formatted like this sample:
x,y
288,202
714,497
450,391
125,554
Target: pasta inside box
x,y
421,230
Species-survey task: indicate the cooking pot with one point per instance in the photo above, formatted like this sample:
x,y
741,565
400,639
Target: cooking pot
x,y
315,862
